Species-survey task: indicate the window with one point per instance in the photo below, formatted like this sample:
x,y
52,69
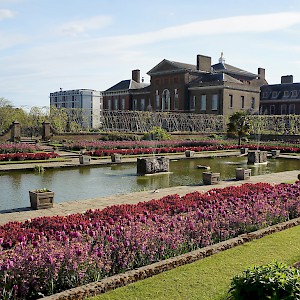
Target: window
x,y
116,102
109,104
274,94
286,93
294,93
192,103
252,102
122,104
265,95
283,109
230,101
243,101
272,109
203,103
134,104
176,100
143,104
214,102
292,109
157,101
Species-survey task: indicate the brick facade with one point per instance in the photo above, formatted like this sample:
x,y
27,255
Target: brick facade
x,y
201,88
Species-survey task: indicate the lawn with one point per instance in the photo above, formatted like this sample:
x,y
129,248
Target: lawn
x,y
209,279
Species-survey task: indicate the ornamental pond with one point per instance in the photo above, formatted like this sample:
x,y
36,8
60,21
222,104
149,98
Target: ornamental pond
x,y
88,182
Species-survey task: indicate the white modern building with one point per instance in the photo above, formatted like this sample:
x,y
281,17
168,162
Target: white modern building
x,y
89,101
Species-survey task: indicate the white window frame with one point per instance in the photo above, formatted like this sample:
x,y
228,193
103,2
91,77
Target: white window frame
x,y
203,103
192,103
214,102
230,101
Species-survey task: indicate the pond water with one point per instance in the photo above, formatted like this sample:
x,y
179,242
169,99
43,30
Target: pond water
x,y
71,184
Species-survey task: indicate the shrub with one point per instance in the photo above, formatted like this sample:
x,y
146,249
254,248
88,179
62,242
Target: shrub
x,y
275,281
157,134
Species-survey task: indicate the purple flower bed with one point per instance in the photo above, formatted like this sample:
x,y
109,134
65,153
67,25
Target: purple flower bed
x,y
50,254
18,147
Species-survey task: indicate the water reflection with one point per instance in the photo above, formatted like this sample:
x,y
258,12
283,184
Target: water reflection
x,y
91,182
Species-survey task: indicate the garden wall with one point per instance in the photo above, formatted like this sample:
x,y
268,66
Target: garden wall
x,y
120,280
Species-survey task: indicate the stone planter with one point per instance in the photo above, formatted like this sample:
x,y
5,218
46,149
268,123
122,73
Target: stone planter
x,y
211,178
275,153
116,157
189,153
244,150
84,159
41,199
242,174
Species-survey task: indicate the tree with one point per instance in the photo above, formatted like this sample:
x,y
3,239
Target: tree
x,y
239,125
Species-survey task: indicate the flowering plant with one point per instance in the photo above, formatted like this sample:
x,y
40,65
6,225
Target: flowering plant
x,y
49,254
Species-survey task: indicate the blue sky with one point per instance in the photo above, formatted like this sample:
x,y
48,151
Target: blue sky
x,y
51,44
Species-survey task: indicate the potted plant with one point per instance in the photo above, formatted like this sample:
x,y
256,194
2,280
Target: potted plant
x,y
41,198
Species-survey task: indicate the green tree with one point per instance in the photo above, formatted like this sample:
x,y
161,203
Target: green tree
x,y
239,125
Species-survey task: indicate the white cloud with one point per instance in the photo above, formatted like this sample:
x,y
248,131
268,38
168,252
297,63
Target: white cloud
x,y
78,27
240,24
6,14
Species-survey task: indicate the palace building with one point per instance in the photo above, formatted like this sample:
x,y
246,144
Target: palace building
x,y
203,88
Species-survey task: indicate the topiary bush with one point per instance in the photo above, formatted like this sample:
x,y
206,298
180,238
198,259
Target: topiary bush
x,y
275,281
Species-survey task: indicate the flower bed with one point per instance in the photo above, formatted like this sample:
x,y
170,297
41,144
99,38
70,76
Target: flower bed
x,y
158,150
136,144
28,156
50,254
18,147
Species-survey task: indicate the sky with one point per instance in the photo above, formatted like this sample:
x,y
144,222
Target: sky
x,y
93,44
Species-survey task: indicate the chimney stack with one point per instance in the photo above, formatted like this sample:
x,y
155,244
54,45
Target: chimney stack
x,y
136,75
204,63
287,79
261,73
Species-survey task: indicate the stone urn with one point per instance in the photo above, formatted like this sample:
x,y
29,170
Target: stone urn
x,y
189,153
42,198
84,159
211,178
242,174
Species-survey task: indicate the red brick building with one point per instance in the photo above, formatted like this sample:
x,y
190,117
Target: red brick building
x,y
281,99
178,87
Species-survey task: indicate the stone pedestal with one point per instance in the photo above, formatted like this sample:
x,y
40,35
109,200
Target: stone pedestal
x,y
242,174
116,157
275,153
211,178
46,133
257,157
84,159
152,165
16,132
189,153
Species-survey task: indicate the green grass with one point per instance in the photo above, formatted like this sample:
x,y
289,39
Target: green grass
x,y
209,279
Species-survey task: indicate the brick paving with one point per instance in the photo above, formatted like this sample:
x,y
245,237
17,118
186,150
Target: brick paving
x,y
80,206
